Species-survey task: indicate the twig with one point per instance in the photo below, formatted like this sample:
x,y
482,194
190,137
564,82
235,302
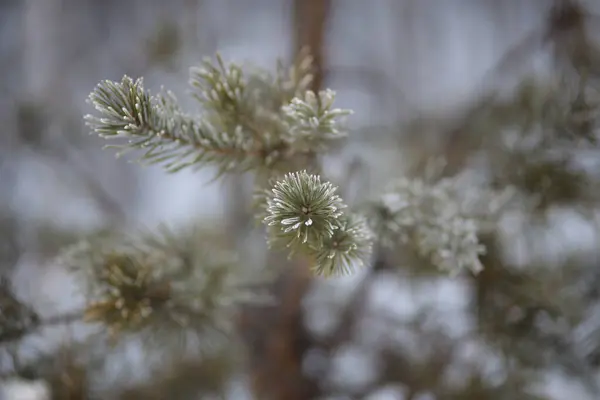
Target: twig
x,y
12,335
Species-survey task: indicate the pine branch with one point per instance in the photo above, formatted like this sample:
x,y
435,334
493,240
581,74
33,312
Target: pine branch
x,y
11,334
16,318
161,283
312,121
157,126
441,218
249,121
306,215
350,245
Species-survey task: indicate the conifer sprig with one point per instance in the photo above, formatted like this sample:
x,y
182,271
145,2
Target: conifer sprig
x,y
249,121
440,218
221,88
293,81
159,283
306,215
304,209
157,126
15,317
349,247
313,121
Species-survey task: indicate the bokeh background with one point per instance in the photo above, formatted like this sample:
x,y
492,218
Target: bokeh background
x,y
388,60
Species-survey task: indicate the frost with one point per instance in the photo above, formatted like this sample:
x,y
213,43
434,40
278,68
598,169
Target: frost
x,y
442,219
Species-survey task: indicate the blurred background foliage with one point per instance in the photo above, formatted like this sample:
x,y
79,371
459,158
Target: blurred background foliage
x,y
505,87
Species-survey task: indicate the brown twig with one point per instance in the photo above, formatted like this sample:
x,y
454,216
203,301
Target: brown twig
x,y
36,325
279,347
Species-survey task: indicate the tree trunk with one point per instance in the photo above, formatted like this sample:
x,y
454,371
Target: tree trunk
x,y
279,347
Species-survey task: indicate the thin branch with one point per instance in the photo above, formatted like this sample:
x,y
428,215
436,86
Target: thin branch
x,y
15,334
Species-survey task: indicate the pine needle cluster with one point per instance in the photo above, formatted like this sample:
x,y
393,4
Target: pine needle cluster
x,y
247,121
305,214
167,284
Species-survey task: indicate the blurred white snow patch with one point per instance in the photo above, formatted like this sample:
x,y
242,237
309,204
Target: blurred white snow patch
x,y
392,295
319,319
389,392
239,389
353,367
18,389
45,189
178,198
571,232
472,356
335,397
131,362
344,285
413,344
448,300
445,294
425,396
511,231
557,386
371,330
566,232
325,299
404,299
51,291
49,288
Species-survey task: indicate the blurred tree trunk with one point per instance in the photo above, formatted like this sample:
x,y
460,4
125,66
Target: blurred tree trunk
x,y
310,25
277,335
